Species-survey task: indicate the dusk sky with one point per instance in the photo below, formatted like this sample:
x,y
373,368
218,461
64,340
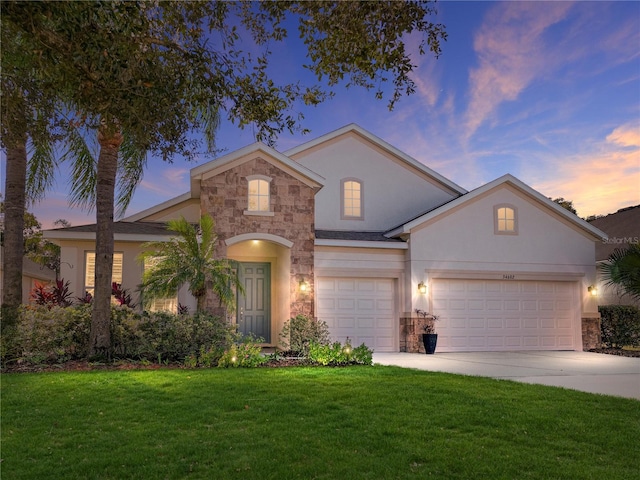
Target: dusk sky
x,y
546,91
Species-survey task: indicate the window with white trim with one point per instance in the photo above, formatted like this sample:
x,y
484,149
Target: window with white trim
x,y
90,270
168,304
505,219
259,193
351,199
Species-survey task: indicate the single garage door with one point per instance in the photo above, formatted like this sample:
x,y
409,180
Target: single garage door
x,y
359,308
494,315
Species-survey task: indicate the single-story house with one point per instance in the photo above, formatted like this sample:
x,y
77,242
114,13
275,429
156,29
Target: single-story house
x,y
350,230
622,229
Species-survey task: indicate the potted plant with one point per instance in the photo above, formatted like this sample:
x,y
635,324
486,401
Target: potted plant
x,y
429,337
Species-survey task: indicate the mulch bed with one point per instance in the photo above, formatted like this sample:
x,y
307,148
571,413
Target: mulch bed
x,y
617,351
85,366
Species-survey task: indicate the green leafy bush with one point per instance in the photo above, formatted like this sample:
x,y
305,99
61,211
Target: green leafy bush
x,y
336,354
247,353
177,337
45,334
299,332
620,325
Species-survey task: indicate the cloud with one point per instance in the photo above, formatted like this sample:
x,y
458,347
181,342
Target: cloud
x,y
626,135
167,183
602,180
511,53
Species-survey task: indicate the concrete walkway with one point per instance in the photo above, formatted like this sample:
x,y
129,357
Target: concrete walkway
x,y
584,371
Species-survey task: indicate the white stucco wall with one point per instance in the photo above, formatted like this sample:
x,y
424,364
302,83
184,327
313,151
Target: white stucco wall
x,y
359,262
394,192
72,268
463,242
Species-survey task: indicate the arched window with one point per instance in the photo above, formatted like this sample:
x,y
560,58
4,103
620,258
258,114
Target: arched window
x,y
352,199
505,219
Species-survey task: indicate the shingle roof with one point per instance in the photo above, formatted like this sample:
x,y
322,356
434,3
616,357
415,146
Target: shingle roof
x,y
622,227
136,228
357,236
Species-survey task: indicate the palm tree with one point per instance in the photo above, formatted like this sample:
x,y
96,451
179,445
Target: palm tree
x,y
189,259
27,129
622,270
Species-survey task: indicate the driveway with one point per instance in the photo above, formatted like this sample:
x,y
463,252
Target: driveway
x,y
584,371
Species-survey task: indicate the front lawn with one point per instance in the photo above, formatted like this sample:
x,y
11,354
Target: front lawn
x,y
309,423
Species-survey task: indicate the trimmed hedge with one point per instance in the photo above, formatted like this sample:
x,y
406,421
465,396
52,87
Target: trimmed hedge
x,y
620,325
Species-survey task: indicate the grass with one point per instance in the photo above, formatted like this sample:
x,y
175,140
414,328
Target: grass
x,y
309,423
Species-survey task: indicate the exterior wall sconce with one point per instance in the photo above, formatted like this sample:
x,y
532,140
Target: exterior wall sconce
x,y
422,288
593,290
304,286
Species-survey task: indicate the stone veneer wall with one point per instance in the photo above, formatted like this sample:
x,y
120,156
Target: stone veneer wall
x,y
411,330
225,198
591,333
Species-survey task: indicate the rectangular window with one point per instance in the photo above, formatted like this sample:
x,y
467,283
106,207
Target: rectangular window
x,y
90,270
258,195
351,199
505,218
169,304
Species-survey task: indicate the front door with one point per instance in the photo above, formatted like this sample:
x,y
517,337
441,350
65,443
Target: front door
x,y
254,307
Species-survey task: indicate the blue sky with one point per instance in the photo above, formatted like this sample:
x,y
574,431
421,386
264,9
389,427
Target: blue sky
x,y
546,91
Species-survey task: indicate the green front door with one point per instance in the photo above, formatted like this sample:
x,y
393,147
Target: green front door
x,y
254,307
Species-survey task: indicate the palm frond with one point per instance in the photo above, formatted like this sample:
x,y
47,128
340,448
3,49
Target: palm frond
x,y
83,172
187,259
622,271
132,162
40,169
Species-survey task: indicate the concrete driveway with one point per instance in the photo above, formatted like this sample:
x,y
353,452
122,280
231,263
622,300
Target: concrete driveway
x,y
584,371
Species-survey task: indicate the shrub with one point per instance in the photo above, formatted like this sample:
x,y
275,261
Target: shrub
x,y
56,295
48,334
178,337
122,295
620,325
299,332
247,353
57,334
336,354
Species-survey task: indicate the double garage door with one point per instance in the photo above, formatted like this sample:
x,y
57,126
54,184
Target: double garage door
x,y
496,315
361,309
475,315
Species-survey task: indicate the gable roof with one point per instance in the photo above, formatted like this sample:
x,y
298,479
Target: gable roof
x,y
269,154
378,142
622,228
586,228
159,207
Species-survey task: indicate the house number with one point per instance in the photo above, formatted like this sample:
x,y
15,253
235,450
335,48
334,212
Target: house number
x,y
508,277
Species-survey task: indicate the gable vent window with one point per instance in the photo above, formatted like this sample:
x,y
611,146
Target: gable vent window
x,y
352,199
505,220
259,198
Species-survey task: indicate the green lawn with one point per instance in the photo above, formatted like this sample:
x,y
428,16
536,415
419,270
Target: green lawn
x,y
304,423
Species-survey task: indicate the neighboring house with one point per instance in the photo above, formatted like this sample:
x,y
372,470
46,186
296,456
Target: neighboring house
x,y
345,228
622,229
32,273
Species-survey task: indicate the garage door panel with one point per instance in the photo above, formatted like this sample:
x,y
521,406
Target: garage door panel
x,y
507,315
362,309
346,304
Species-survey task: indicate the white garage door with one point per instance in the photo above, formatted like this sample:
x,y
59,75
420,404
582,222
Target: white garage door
x,y
492,315
359,308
